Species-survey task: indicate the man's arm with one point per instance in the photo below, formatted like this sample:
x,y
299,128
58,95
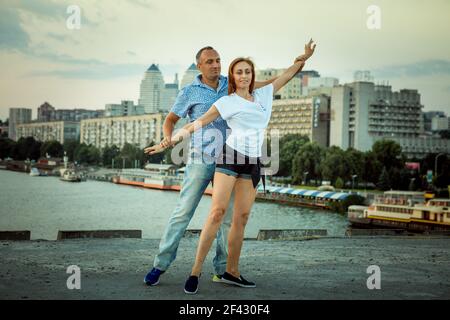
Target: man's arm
x,y
169,124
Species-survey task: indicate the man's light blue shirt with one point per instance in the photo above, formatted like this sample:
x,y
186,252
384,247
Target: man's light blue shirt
x,y
193,101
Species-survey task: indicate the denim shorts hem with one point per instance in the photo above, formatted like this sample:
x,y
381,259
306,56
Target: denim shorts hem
x,y
227,172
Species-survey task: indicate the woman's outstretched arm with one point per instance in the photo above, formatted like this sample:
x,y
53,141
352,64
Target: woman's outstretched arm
x,y
295,68
211,115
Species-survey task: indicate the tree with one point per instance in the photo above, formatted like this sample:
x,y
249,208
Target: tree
x,y
69,147
289,146
355,161
339,183
388,153
27,148
307,159
384,183
371,168
335,164
6,147
87,154
109,153
131,153
53,148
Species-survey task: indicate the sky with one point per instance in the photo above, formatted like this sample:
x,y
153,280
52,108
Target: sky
x,y
43,58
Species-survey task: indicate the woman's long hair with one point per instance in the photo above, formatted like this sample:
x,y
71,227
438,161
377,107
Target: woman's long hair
x,y
232,83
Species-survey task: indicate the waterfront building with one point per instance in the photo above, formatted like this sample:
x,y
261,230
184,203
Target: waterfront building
x,y
151,90
49,131
309,116
139,130
17,116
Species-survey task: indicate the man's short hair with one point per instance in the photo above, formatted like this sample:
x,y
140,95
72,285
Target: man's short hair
x,y
199,53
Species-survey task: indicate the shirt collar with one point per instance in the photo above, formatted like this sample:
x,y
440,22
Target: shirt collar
x,y
222,82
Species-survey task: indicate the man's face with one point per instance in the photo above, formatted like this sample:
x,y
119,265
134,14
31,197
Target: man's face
x,y
209,64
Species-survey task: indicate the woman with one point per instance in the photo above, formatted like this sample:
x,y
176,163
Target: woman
x,y
247,113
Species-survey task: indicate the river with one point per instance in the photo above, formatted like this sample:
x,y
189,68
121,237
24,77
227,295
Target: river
x,y
45,205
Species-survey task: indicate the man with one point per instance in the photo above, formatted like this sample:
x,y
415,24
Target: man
x,y
193,101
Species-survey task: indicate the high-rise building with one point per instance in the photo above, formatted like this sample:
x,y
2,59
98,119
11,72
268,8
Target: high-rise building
x,y
428,116
17,116
362,75
363,113
137,130
292,90
440,123
125,108
46,112
189,76
169,95
151,91
308,116
50,130
325,84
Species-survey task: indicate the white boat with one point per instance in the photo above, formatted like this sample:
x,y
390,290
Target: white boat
x,y
70,176
34,172
405,210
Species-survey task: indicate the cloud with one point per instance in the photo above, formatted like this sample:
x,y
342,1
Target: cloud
x,y
96,71
142,3
12,35
433,67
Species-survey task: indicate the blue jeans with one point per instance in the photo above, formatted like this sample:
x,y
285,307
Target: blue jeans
x,y
197,176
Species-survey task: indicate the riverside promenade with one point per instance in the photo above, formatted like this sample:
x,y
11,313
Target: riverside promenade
x,y
411,267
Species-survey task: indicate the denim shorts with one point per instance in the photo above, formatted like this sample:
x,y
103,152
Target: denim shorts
x,y
236,164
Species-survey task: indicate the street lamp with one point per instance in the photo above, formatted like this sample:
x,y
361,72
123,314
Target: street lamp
x,y
436,162
353,180
305,174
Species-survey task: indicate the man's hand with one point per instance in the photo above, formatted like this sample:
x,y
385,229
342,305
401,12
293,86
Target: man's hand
x,y
309,51
166,142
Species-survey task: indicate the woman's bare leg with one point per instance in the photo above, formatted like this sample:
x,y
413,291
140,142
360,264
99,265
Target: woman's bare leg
x,y
245,195
223,186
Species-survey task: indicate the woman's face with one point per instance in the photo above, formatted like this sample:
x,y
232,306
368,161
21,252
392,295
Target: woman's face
x,y
242,74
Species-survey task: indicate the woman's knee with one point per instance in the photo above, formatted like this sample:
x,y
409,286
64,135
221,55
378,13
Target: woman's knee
x,y
241,218
217,214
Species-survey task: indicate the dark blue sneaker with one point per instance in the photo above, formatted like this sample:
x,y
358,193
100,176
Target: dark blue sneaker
x,y
191,285
241,282
152,278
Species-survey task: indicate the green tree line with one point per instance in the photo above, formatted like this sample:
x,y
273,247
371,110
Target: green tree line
x,y
129,156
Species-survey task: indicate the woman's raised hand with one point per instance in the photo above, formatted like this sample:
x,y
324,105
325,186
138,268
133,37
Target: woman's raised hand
x,y
309,51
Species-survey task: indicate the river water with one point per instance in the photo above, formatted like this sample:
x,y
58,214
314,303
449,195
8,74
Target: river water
x,y
45,205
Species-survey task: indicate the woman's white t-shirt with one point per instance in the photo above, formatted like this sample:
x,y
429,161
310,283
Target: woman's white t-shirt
x,y
247,120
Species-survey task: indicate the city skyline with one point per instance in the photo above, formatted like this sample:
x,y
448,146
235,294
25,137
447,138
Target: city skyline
x,y
104,61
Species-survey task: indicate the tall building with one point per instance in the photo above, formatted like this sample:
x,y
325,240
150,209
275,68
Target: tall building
x,y
46,112
428,116
138,130
308,116
17,116
125,108
363,113
362,75
306,75
419,147
440,123
169,95
189,76
151,90
324,83
292,90
48,131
